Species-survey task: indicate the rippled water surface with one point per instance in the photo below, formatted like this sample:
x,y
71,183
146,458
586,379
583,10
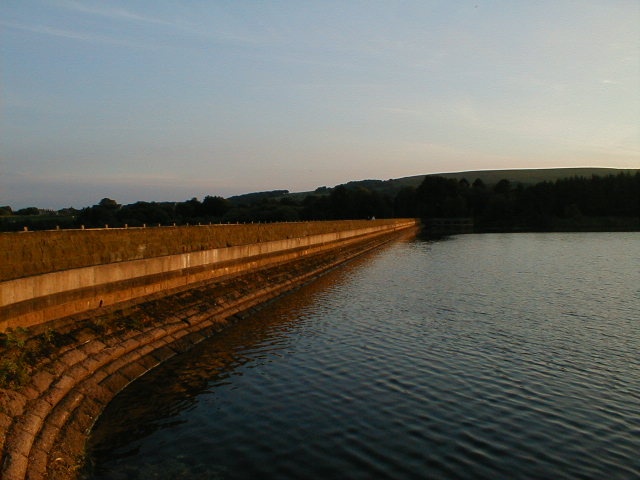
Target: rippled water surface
x,y
482,356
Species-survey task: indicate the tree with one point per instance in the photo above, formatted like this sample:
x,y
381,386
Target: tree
x,y
502,187
140,213
441,197
215,206
316,208
104,213
109,203
405,204
190,209
28,211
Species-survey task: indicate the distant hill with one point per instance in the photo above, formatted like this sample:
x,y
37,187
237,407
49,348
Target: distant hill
x,y
257,197
489,177
533,176
606,204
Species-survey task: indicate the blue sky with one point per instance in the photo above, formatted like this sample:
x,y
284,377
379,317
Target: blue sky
x,y
166,100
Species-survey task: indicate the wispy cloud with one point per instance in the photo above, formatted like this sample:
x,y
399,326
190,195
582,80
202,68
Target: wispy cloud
x,y
112,12
402,111
128,179
215,29
75,35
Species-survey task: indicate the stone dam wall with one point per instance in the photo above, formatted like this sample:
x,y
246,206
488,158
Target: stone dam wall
x,y
50,275
88,312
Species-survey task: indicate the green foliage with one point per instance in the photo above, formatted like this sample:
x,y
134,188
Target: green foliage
x,y
257,197
128,322
215,206
28,211
118,320
104,213
20,350
51,338
14,368
9,223
145,213
496,200
575,203
15,338
13,373
346,202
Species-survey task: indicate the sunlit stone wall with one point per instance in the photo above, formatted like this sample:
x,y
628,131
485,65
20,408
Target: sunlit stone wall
x,y
50,275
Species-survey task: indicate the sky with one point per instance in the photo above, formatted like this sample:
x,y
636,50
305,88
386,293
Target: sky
x,y
161,100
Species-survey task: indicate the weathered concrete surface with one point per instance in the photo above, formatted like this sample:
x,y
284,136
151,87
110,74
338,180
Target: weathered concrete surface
x,y
36,299
44,424
24,254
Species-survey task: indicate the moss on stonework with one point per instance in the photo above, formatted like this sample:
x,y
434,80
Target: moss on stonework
x,y
21,350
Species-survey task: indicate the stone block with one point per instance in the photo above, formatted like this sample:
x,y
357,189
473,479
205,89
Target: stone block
x,y
163,354
115,382
73,356
37,466
14,467
62,410
133,370
92,347
42,380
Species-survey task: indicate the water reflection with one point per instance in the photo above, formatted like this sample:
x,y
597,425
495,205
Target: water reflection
x,y
485,356
163,397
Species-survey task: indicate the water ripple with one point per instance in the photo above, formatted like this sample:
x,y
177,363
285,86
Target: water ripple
x,y
483,357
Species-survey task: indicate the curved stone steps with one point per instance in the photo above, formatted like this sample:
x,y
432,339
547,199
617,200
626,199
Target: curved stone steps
x,y
48,421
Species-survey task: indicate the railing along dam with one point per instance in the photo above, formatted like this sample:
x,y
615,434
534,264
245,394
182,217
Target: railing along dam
x,y
85,312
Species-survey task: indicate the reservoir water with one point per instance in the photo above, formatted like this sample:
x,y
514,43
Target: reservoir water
x,y
477,357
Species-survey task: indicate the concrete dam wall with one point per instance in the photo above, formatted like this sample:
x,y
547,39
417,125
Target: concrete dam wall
x,y
84,313
50,275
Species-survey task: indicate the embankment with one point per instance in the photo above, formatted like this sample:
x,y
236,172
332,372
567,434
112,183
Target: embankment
x,y
49,275
95,327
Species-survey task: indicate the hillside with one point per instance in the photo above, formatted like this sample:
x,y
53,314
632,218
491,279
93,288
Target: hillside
x,y
533,176
489,177
592,192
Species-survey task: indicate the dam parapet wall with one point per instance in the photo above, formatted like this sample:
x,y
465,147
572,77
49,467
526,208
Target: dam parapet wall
x,y
24,254
49,275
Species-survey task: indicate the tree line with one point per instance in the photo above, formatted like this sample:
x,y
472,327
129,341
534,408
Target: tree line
x,y
599,202
596,203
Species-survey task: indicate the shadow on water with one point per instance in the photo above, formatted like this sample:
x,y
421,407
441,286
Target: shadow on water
x,y
160,398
